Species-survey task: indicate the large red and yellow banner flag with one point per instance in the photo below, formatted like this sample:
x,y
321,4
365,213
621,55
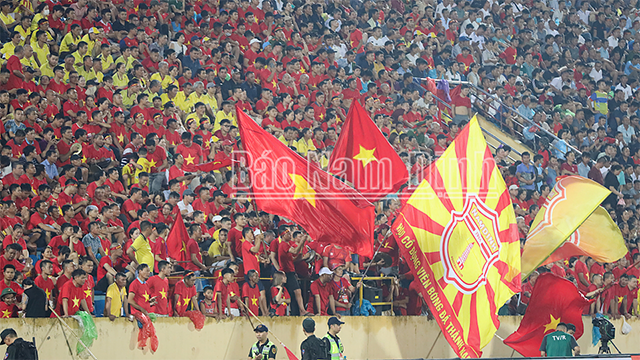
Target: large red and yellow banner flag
x,y
572,224
458,233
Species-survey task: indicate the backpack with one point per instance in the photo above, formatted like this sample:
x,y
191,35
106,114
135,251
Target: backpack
x,y
26,350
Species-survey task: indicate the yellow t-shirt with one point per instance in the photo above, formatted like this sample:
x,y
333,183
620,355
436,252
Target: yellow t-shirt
x,y
143,251
8,50
67,41
221,115
119,81
117,299
216,249
178,101
46,69
90,43
146,167
129,170
128,63
31,62
106,61
7,19
303,147
164,81
41,52
23,33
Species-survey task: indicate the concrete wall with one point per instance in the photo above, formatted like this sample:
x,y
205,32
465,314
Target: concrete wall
x,y
363,337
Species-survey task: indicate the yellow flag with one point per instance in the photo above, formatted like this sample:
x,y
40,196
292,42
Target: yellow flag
x,y
458,233
572,224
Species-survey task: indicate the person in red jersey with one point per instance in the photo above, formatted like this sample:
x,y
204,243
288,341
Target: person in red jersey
x,y
159,287
185,295
280,298
45,280
221,290
72,297
139,296
321,294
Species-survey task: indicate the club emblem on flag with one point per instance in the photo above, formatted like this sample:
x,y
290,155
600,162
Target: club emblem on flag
x,y
477,225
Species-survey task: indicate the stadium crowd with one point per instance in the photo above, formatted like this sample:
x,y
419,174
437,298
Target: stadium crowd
x,y
108,108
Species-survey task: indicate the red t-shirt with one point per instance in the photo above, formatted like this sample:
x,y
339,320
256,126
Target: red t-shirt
x,y
185,294
235,238
336,256
159,289
285,258
253,293
142,295
193,248
192,156
224,292
74,296
324,290
46,285
249,258
129,205
281,310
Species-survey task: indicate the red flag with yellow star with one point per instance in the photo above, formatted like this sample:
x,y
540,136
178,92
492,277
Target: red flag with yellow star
x,y
458,233
177,240
553,300
364,157
285,184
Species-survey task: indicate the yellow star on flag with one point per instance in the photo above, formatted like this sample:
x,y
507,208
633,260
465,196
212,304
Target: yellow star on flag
x,y
87,293
186,301
76,302
620,298
302,70
254,301
48,293
366,156
84,159
152,163
6,313
321,116
163,293
552,324
303,190
274,83
190,159
120,138
184,247
146,296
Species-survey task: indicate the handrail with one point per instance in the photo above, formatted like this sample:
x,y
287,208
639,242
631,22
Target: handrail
x,y
515,111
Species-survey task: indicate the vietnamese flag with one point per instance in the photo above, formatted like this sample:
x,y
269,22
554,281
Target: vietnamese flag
x,y
363,156
553,300
285,184
290,354
177,240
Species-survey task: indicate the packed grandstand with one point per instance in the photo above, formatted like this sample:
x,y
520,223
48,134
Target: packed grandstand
x,y
121,123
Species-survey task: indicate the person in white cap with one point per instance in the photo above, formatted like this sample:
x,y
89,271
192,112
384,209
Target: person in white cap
x,y
321,299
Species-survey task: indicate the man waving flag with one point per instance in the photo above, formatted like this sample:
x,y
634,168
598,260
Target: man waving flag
x,y
285,184
364,157
458,233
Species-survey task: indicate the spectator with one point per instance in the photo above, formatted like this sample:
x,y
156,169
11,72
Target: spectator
x,y
321,297
116,299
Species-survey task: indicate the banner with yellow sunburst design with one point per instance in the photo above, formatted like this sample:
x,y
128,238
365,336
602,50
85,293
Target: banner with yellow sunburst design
x,y
458,233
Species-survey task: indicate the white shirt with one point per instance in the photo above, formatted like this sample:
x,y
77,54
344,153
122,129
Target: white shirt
x,y
189,208
596,75
627,90
378,42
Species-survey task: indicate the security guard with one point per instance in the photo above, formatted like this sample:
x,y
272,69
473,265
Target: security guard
x,y
559,343
312,348
332,340
263,349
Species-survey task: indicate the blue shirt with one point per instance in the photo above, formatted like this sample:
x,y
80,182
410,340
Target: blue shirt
x,y
50,169
528,173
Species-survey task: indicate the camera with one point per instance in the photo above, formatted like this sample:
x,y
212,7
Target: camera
x,y
607,329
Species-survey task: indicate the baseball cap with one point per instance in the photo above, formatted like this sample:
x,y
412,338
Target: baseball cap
x,y
219,193
9,331
513,187
325,271
75,157
216,218
253,41
463,38
188,192
334,321
261,328
151,207
227,143
308,324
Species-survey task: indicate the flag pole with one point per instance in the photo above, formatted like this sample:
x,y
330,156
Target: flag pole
x,y
73,333
257,318
370,263
434,344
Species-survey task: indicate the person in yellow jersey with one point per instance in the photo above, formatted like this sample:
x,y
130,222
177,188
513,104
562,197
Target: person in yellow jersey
x,y
130,95
48,65
79,54
29,58
227,112
7,17
163,75
40,47
7,49
197,95
90,38
210,99
305,143
120,78
70,41
332,341
24,29
43,25
107,60
97,67
86,69
126,59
